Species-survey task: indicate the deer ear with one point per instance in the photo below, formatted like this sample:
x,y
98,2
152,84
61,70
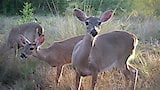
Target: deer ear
x,y
40,40
40,30
80,15
22,40
106,15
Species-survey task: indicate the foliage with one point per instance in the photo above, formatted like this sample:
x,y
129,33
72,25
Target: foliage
x,y
99,6
61,6
12,7
147,7
58,7
27,14
148,64
18,74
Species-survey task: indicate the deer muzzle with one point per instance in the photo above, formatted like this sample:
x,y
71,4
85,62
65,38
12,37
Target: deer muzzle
x,y
23,55
93,32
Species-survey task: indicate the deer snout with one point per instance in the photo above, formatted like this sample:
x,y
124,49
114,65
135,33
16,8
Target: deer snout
x,y
23,55
93,32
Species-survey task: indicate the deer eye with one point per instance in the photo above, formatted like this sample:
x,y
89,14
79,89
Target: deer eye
x,y
87,23
31,48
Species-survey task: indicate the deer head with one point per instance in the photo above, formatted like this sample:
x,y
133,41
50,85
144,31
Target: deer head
x,y
30,47
93,23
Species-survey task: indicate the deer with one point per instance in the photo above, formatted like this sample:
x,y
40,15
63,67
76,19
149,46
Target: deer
x,y
31,31
98,53
56,55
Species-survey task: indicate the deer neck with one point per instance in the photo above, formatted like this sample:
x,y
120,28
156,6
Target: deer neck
x,y
85,48
41,54
87,43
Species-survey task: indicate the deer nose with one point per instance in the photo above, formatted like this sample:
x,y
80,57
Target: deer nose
x,y
94,32
23,55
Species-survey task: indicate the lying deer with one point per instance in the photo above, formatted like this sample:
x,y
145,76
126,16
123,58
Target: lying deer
x,y
58,54
31,31
94,54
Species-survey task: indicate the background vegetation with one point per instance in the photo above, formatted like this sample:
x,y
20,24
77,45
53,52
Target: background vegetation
x,y
58,7
140,17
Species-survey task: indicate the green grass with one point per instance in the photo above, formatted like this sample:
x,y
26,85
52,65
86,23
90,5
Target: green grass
x,y
34,74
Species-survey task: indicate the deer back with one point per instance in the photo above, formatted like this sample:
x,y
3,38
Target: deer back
x,y
112,50
59,52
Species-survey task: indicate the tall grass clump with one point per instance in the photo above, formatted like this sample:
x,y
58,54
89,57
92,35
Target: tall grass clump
x,y
16,74
147,63
59,28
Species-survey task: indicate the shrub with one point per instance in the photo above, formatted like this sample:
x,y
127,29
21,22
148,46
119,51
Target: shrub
x,y
27,14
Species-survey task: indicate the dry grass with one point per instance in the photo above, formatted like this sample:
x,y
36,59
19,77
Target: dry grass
x,y
34,74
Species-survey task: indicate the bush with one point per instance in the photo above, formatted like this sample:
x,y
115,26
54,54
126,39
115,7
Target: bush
x,y
12,7
27,14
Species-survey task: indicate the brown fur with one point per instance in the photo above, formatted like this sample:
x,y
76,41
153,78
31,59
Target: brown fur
x,y
58,54
31,31
96,54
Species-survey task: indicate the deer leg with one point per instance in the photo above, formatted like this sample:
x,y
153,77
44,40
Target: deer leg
x,y
78,81
94,73
15,52
16,48
59,69
94,79
129,76
134,73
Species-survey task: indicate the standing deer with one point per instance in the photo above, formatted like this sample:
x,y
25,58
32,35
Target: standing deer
x,y
58,54
31,31
94,54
